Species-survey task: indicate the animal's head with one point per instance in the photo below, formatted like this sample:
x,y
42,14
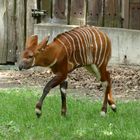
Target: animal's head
x,y
32,50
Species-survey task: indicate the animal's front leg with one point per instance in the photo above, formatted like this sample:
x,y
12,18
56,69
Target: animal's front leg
x,y
63,87
51,84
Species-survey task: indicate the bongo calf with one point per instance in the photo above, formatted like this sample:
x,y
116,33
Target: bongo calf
x,y
83,46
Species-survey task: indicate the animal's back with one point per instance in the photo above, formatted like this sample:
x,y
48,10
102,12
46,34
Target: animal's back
x,y
86,45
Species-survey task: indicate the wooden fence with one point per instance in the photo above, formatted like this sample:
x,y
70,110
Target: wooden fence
x,y
93,12
17,23
109,13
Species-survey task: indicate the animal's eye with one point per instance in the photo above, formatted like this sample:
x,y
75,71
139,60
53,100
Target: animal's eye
x,y
30,56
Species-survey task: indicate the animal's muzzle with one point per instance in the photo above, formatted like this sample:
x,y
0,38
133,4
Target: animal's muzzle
x,y
21,66
25,65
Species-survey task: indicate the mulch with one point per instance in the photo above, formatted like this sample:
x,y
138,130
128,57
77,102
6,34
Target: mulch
x,y
125,81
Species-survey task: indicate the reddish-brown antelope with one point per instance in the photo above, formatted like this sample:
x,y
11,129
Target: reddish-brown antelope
x,y
81,47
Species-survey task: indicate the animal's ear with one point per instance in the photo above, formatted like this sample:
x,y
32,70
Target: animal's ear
x,y
43,43
32,41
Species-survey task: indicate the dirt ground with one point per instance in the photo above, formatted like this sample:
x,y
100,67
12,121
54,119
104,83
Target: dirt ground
x,y
125,81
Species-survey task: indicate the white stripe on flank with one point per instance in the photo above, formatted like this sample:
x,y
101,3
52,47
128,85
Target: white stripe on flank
x,y
83,48
103,58
64,46
79,46
100,46
90,55
87,47
96,46
69,44
74,49
86,44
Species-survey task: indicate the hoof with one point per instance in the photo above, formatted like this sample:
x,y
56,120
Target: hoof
x,y
113,107
38,112
63,114
102,113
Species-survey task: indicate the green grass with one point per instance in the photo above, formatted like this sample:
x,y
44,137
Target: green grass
x,y
83,121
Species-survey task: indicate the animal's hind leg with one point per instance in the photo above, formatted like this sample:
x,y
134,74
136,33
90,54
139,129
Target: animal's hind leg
x,y
105,78
110,98
103,75
100,76
63,87
94,70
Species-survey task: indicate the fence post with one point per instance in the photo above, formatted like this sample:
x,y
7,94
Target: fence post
x,y
60,10
112,13
31,4
20,26
3,31
78,12
46,5
94,12
134,14
125,13
11,31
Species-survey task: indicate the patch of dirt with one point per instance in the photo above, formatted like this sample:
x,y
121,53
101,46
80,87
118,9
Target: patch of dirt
x,y
125,81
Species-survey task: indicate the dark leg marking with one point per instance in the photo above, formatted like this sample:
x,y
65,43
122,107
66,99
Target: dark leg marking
x,y
51,84
63,87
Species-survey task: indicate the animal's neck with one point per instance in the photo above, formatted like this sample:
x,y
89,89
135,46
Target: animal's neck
x,y
46,58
